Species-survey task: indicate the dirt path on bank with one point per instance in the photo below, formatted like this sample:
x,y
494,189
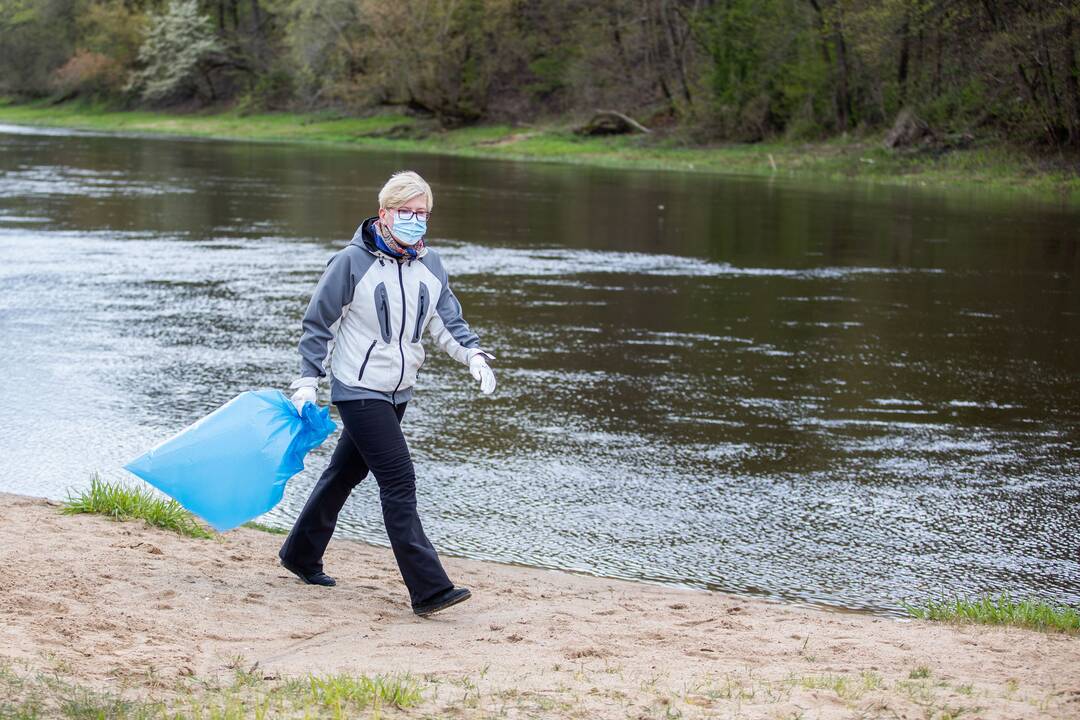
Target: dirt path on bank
x,y
135,610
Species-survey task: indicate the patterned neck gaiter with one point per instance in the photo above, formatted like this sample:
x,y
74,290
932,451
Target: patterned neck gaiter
x,y
384,240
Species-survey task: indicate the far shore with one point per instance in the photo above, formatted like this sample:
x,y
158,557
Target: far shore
x,y
987,167
109,609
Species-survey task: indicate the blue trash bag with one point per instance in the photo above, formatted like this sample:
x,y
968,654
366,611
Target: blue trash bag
x,y
232,465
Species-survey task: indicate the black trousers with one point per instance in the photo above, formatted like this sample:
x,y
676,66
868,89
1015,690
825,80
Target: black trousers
x,y
371,439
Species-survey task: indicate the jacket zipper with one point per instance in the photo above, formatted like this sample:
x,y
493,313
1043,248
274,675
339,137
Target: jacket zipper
x,y
366,358
386,313
421,307
401,335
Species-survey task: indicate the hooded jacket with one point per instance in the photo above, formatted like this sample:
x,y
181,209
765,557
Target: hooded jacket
x,y
368,314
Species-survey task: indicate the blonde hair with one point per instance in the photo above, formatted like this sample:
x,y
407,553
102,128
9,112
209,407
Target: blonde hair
x,y
402,187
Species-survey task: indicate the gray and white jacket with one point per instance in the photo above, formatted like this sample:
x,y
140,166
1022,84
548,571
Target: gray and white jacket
x,y
367,316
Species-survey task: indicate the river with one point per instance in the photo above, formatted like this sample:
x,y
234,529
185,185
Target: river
x,y
840,394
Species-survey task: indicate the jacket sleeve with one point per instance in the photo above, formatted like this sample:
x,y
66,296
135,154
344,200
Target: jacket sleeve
x,y
328,306
449,329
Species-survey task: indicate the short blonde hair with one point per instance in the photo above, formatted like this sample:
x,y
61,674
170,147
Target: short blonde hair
x,y
403,186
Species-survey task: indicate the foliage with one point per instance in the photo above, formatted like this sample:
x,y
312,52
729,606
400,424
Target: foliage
x,y
767,73
1002,610
175,54
437,56
113,28
88,73
36,37
324,45
272,91
720,69
121,502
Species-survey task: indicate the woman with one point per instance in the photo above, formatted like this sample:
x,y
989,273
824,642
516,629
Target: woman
x,y
366,317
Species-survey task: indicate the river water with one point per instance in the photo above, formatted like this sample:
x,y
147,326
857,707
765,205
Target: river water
x,y
828,393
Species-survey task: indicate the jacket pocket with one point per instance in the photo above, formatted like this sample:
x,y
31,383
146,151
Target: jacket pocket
x,y
414,360
382,310
367,356
421,311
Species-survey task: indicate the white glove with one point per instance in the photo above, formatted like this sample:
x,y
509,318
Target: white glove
x,y
306,392
481,371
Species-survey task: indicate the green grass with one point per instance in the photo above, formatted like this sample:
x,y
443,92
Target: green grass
x,y
46,695
124,502
265,528
1000,610
349,692
846,687
989,167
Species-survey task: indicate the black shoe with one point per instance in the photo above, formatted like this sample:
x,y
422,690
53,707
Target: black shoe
x,y
315,578
442,601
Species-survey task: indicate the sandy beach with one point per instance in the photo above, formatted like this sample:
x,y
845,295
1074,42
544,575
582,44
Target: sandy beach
x,y
141,612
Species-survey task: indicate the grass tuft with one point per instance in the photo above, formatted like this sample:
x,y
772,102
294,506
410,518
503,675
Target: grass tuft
x,y
123,502
261,527
1002,610
344,692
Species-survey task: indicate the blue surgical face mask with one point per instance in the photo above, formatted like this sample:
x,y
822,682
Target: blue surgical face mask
x,y
409,232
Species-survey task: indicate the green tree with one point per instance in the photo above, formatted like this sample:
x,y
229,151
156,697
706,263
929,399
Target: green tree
x,y
177,54
326,49
443,57
731,69
36,38
768,72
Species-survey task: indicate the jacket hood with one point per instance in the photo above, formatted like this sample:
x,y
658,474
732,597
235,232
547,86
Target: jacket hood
x,y
364,237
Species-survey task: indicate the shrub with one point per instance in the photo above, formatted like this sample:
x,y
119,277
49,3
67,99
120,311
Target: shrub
x,y
273,91
175,54
88,73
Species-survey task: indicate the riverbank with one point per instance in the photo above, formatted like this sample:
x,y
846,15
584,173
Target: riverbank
x,y
120,615
988,167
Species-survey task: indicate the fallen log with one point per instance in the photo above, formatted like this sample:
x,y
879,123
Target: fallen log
x,y
611,122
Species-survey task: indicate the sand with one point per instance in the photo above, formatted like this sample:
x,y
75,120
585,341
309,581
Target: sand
x,y
136,610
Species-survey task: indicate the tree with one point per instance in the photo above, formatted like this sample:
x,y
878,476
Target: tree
x,y
443,57
36,38
325,47
177,54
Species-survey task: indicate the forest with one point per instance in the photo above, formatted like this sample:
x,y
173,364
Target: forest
x,y
708,70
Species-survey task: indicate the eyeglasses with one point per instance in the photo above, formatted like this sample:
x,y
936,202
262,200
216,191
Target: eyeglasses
x,y
407,214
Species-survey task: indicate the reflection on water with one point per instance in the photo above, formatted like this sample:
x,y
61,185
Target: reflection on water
x,y
835,394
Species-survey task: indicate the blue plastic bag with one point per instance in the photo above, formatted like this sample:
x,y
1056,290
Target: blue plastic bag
x,y
232,465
